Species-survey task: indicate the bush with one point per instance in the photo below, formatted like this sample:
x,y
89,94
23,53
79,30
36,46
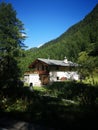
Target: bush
x,y
84,93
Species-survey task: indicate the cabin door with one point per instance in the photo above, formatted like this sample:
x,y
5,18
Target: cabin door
x,y
44,79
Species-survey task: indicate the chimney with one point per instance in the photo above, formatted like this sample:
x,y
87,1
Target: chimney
x,y
65,60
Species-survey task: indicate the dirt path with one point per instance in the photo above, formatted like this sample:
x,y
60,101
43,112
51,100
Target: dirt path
x,y
7,123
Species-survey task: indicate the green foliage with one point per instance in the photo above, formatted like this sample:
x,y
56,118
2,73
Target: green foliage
x,y
87,66
11,43
64,104
84,94
66,93
82,36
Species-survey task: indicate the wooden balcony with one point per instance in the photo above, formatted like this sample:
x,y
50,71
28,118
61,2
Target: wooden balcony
x,y
42,72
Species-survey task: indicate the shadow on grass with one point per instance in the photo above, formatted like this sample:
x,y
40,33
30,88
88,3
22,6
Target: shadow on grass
x,y
46,110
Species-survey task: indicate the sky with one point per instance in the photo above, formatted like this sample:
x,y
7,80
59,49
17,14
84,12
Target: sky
x,y
45,20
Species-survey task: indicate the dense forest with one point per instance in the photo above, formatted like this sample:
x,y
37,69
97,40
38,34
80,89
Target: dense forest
x,y
83,36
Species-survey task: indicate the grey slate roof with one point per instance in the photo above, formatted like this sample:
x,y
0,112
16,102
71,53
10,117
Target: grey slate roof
x,y
57,62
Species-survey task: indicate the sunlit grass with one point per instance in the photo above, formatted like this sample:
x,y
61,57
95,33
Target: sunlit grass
x,y
37,88
91,80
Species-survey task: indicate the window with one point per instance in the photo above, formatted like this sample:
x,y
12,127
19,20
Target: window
x,y
57,78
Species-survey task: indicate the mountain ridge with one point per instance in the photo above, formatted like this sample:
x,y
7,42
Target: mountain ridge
x,y
70,43
68,30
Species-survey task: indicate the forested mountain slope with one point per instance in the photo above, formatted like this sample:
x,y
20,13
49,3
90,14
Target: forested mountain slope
x,y
79,37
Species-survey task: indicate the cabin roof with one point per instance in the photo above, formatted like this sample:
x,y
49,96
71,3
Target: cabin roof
x,y
57,62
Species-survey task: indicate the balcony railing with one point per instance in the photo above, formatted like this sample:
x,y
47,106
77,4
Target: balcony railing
x,y
40,72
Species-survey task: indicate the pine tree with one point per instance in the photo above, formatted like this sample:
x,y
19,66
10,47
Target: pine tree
x,y
11,43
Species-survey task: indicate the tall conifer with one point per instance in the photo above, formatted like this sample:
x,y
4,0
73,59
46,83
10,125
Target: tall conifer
x,y
11,43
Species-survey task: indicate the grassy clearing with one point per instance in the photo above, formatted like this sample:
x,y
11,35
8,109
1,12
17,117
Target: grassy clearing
x,y
62,105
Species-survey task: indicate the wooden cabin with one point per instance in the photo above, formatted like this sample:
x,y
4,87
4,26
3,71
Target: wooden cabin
x,y
45,71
